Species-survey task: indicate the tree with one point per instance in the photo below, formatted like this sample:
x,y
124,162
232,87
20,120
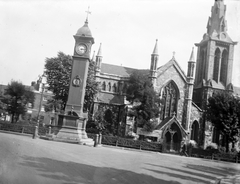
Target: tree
x,y
141,94
58,72
223,111
16,98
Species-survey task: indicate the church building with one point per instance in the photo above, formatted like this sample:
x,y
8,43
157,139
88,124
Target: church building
x,y
184,95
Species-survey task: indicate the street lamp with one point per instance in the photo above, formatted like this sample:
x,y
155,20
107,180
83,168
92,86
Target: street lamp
x,y
43,81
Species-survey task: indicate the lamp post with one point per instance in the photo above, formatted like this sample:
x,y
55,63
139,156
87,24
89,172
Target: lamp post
x,y
43,82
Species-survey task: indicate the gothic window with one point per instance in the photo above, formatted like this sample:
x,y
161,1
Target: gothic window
x,y
103,86
223,71
216,65
125,88
109,86
114,88
169,104
202,63
194,132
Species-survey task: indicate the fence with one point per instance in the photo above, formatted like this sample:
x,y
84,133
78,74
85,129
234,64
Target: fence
x,y
123,142
129,143
25,129
107,140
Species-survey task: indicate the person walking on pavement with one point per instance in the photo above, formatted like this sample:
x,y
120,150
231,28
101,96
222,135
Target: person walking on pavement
x,y
183,148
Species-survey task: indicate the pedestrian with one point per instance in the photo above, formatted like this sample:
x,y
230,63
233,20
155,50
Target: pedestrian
x,y
183,149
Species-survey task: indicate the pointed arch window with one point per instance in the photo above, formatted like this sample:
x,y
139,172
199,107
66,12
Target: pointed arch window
x,y
170,100
114,88
223,71
202,67
195,131
125,88
216,64
103,86
109,86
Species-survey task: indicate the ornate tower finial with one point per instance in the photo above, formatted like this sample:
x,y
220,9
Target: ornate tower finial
x,y
88,12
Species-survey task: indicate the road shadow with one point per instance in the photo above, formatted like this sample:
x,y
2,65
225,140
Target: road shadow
x,y
221,171
197,172
75,173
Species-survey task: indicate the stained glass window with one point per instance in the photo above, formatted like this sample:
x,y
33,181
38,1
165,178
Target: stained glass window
x,y
169,106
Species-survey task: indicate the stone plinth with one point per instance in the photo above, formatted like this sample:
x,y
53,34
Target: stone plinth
x,y
72,130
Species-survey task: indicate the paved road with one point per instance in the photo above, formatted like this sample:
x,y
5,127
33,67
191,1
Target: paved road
x,y
24,160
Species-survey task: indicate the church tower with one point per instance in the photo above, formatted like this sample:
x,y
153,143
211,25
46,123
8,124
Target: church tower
x,y
214,57
153,66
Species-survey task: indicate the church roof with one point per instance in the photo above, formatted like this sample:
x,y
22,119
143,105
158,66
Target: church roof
x,y
121,70
109,98
168,121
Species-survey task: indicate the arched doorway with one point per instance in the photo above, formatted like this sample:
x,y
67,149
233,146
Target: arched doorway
x,y
173,137
194,132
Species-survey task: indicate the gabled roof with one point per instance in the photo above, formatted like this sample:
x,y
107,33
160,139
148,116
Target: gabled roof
x,y
170,63
169,121
120,70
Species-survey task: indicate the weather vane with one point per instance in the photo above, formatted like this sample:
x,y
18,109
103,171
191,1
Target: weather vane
x,y
88,12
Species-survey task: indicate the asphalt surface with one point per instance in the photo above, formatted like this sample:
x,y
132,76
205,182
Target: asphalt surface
x,y
24,160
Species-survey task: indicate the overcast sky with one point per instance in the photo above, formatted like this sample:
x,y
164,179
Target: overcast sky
x,y
31,31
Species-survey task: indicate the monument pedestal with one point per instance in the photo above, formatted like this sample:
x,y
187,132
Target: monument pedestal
x,y
72,130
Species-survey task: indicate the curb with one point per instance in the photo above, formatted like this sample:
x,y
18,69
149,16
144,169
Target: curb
x,y
16,133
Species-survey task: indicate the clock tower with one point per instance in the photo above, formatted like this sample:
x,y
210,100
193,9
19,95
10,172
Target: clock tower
x,y
73,121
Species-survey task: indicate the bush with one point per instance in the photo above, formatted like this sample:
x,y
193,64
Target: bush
x,y
222,149
192,144
212,146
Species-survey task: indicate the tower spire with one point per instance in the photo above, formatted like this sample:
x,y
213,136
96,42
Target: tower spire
x,y
155,50
93,57
154,63
217,22
100,50
99,60
192,55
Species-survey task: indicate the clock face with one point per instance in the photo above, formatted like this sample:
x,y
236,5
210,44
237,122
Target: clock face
x,y
81,49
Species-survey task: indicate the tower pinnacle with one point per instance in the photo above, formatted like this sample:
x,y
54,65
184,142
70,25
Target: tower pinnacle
x,y
100,50
192,55
155,50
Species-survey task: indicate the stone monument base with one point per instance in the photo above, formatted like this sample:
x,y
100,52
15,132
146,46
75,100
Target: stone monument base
x,y
72,129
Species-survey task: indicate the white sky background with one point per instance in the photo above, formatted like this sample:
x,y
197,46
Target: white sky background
x,y
32,30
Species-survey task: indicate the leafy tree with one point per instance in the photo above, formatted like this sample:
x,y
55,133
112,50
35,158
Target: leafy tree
x,y
223,111
100,122
58,71
16,98
145,101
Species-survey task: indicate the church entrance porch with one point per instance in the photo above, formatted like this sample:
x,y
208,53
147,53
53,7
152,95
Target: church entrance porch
x,y
172,138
